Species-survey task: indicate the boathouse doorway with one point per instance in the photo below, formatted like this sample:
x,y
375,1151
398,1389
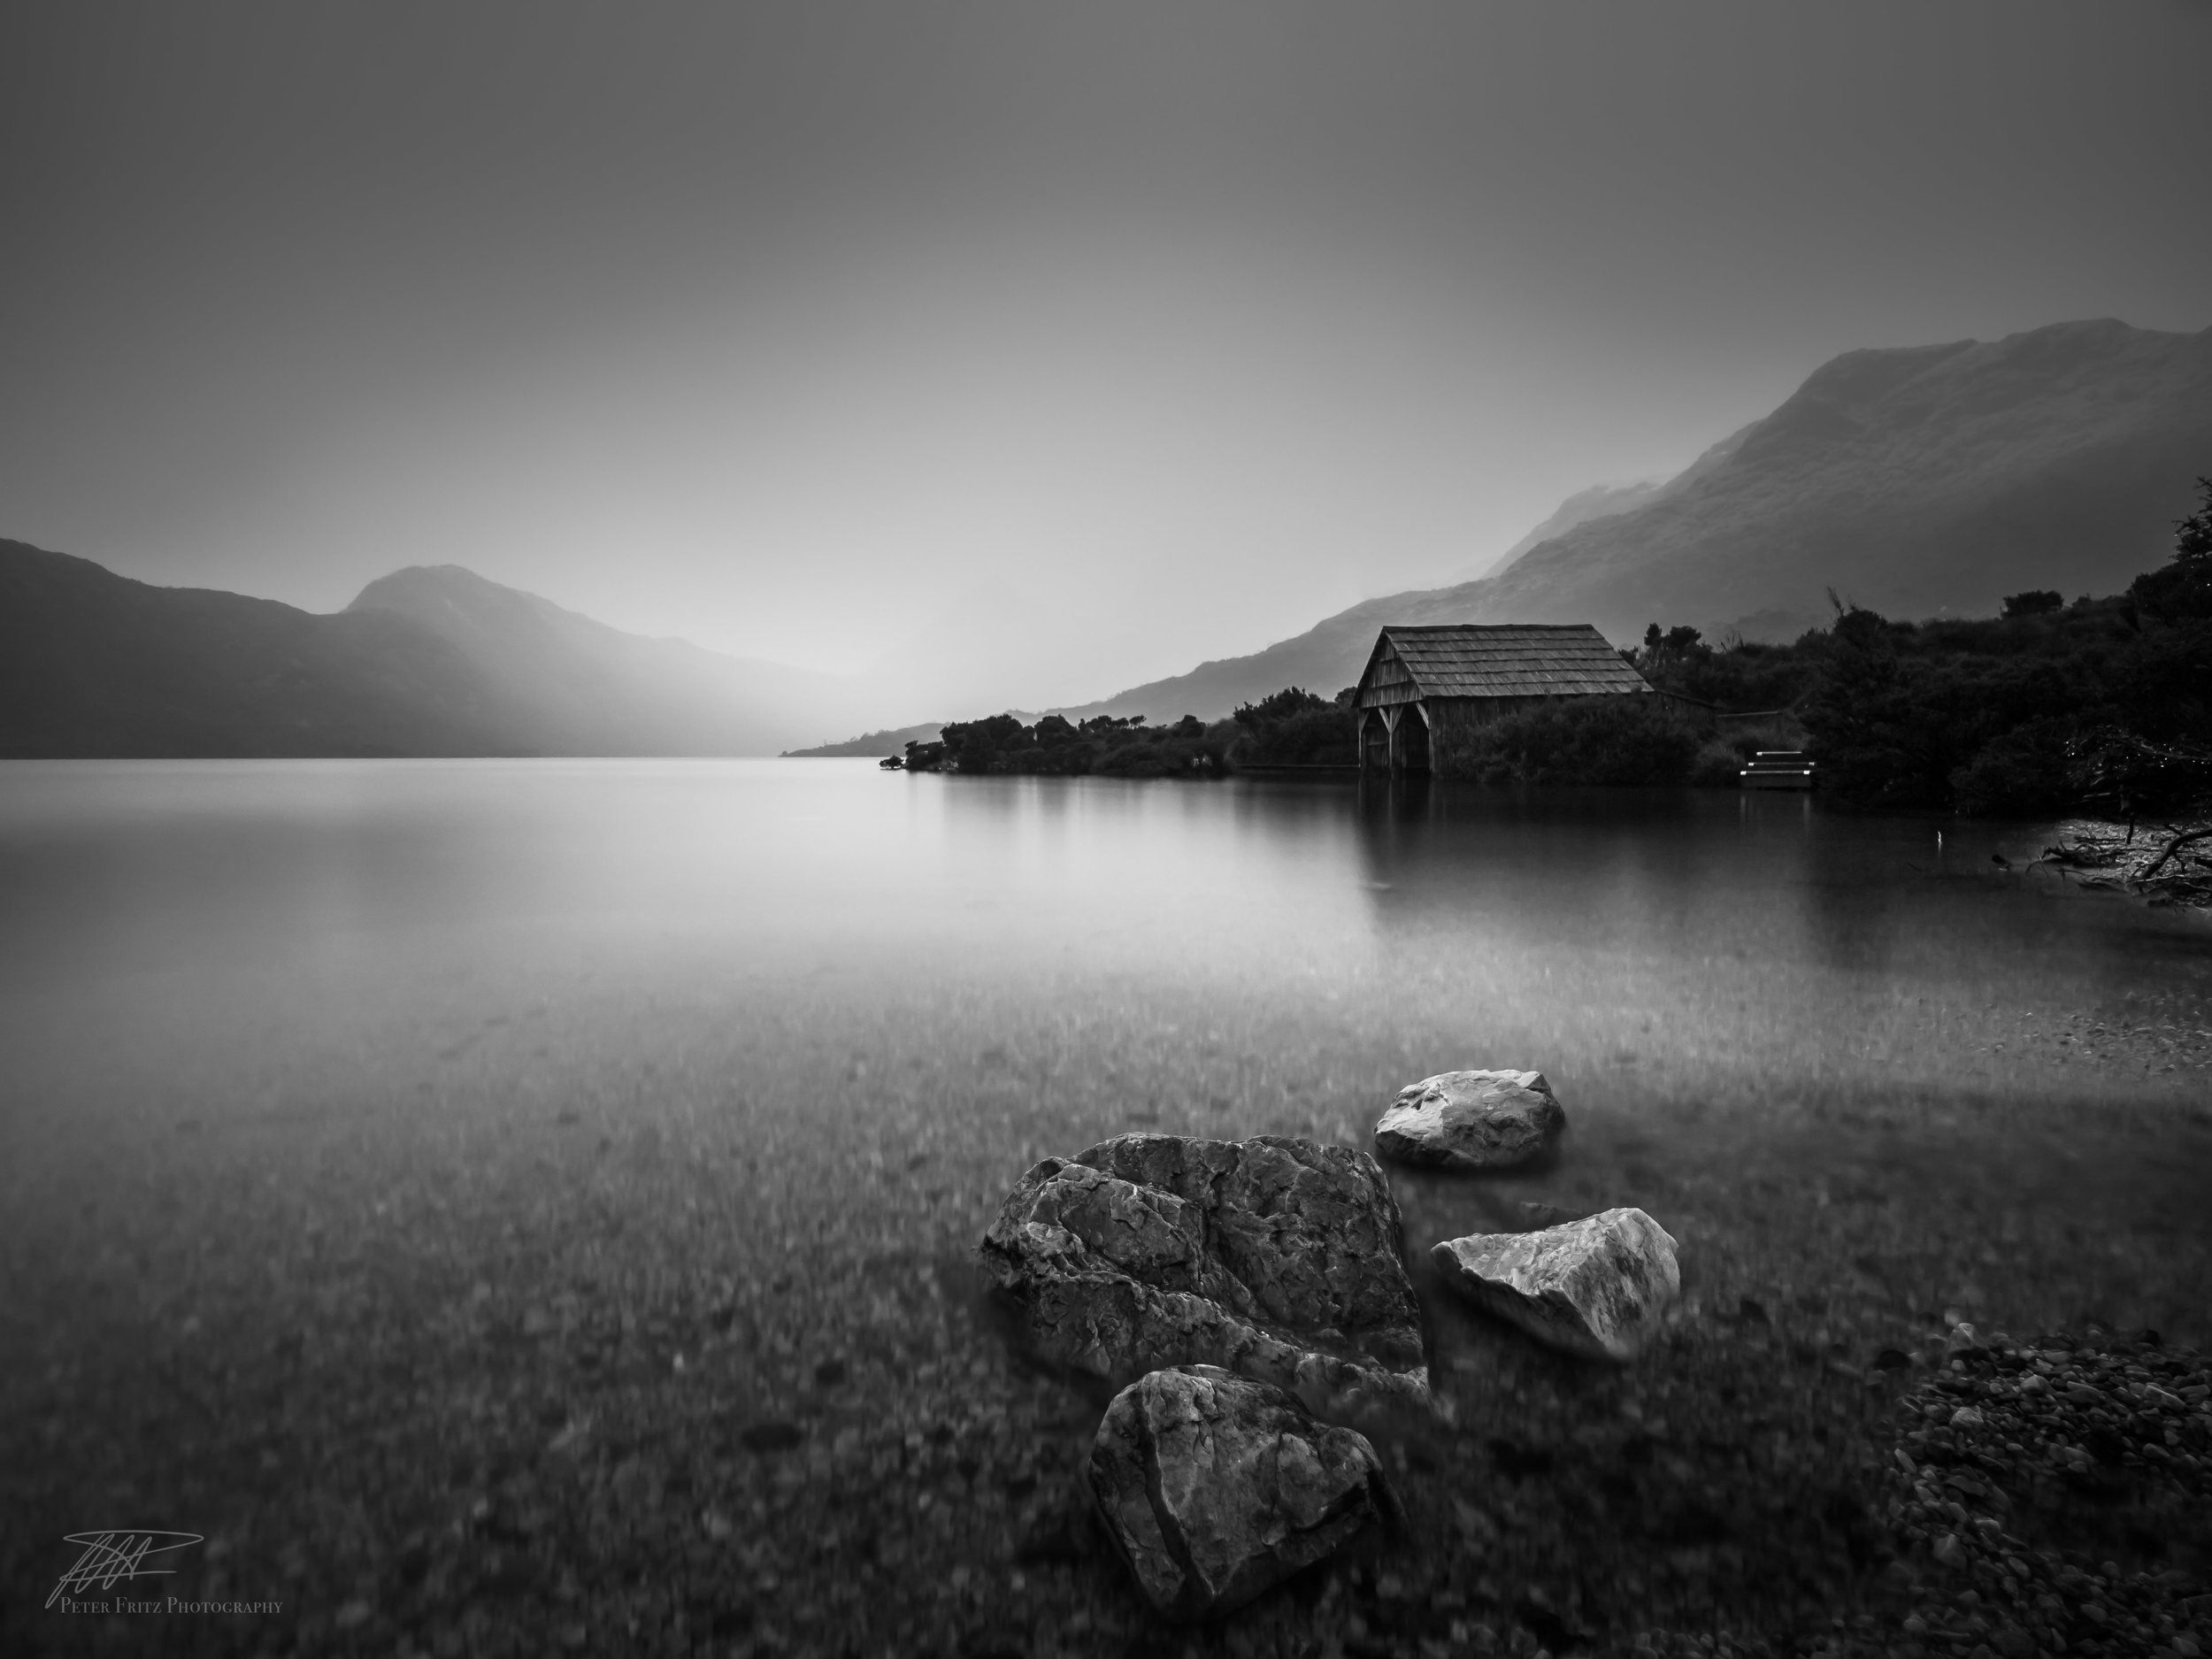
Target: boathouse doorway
x,y
1413,738
1374,740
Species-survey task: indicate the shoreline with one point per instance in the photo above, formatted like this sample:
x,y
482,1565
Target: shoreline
x,y
2169,865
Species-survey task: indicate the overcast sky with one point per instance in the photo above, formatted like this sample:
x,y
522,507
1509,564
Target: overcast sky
x,y
1021,351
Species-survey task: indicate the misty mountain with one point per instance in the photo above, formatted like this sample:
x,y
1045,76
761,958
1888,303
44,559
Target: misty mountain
x,y
1913,481
426,662
1600,501
1604,501
563,684
873,745
92,664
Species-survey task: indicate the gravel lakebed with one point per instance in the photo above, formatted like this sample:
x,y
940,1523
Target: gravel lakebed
x,y
648,1364
2019,1464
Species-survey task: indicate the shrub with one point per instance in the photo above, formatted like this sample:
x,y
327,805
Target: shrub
x,y
2182,588
1133,760
1717,765
1278,706
1319,734
1611,740
2122,772
2021,773
1117,746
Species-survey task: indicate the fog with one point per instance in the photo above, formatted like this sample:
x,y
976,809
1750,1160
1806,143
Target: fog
x,y
1008,354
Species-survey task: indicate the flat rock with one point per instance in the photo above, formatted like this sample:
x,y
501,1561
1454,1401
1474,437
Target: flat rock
x,y
1214,1487
1471,1120
1597,1287
1276,1258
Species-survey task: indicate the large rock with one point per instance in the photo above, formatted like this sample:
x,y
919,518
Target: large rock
x,y
1471,1120
1597,1287
1277,1258
1214,1486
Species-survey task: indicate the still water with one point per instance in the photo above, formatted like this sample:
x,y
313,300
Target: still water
x,y
348,1110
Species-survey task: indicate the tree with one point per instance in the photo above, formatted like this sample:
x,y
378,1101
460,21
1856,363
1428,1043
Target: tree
x,y
2182,588
2035,602
2192,535
1280,705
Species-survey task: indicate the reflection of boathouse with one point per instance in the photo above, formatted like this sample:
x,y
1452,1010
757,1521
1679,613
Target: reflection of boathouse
x,y
1426,689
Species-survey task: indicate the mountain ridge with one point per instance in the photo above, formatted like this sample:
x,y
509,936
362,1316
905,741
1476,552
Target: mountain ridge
x,y
428,661
575,685
1607,500
1914,479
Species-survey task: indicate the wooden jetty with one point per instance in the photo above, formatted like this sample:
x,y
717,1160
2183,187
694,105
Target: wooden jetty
x,y
1779,768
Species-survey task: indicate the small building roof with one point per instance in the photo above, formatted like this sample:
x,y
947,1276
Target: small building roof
x,y
1511,659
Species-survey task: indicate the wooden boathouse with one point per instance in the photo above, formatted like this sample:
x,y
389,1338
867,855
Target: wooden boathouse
x,y
1427,688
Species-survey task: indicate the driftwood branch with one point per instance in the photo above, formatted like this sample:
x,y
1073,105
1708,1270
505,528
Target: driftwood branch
x,y
2173,847
2167,866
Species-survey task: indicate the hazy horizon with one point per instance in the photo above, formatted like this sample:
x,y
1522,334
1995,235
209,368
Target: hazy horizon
x,y
1037,352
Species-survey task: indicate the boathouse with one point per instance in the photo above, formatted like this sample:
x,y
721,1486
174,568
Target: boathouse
x,y
1425,689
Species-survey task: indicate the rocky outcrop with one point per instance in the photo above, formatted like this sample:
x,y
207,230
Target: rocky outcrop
x,y
1215,1487
1276,1258
1471,1120
1598,1287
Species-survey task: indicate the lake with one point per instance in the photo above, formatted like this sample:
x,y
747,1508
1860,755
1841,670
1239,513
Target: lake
x,y
505,1206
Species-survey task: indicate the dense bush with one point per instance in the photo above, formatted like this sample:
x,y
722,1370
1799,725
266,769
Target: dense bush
x,y
1054,746
2121,772
2104,703
1720,760
2182,589
1615,741
1994,716
1292,727
1735,675
1296,728
2028,769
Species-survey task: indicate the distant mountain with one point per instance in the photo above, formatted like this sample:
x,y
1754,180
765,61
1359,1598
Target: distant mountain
x,y
424,662
1604,501
870,744
1600,501
1914,482
563,684
94,665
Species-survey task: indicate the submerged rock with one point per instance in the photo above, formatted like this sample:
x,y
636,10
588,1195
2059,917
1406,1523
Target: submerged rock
x,y
1277,1258
1471,1120
1215,1487
1597,1287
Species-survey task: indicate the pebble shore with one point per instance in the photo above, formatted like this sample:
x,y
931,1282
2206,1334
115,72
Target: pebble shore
x,y
2020,1462
628,1380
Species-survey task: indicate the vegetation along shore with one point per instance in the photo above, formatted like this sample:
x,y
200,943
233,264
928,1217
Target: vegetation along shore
x,y
2098,707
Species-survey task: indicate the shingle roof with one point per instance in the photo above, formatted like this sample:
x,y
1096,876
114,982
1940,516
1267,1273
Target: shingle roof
x,y
1514,659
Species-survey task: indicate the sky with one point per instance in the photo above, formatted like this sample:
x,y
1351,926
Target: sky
x,y
1009,354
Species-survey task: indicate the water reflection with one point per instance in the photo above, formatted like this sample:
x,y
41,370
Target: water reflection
x,y
1802,915
452,1104
1753,932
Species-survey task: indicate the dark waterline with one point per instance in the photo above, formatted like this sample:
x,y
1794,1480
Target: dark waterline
x,y
344,1083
